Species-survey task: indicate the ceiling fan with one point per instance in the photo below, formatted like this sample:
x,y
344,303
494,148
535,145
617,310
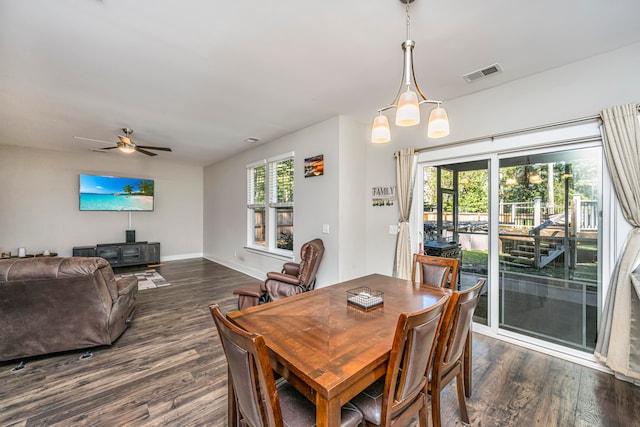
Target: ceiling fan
x,y
126,145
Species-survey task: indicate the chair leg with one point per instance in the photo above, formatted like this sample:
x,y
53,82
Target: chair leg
x,y
435,406
461,399
422,414
468,348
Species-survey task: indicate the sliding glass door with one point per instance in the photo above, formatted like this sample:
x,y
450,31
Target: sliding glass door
x,y
456,221
549,238
547,260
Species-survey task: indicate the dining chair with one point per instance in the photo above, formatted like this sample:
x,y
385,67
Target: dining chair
x,y
395,398
257,400
449,354
436,271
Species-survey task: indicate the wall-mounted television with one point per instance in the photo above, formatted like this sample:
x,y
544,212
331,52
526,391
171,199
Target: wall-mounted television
x,y
115,193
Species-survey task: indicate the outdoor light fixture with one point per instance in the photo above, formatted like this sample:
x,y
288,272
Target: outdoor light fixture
x,y
407,103
535,178
511,181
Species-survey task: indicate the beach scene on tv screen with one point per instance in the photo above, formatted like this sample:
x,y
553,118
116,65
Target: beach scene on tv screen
x,y
112,193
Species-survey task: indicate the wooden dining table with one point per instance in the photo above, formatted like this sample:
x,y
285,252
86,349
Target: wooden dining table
x,y
328,349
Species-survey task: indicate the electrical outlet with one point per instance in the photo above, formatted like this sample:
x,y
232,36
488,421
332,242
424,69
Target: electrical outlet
x,y
325,228
393,229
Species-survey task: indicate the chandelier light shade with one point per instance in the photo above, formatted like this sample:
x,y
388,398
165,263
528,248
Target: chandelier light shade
x,y
407,102
380,131
408,111
438,123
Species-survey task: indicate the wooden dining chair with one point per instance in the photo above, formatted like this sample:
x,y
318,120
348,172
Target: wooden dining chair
x,y
450,350
254,398
436,271
395,398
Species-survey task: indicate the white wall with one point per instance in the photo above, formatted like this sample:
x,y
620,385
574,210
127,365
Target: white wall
x,y
352,199
577,90
40,203
316,201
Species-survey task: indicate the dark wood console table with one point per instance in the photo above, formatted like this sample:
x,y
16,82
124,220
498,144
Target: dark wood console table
x,y
123,254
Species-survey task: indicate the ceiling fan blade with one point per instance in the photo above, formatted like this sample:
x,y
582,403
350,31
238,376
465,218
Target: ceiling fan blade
x,y
154,148
108,148
148,153
93,140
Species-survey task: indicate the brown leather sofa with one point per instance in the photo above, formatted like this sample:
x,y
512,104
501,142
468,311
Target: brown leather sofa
x,y
50,304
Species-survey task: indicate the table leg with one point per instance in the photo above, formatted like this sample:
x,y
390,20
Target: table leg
x,y
468,353
327,412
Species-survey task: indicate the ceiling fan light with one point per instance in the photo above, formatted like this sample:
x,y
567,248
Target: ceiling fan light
x,y
408,112
438,123
125,148
380,131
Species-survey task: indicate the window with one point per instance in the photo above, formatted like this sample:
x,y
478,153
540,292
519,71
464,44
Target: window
x,y
270,204
256,180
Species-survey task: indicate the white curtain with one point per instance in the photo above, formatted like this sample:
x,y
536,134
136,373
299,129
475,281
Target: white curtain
x,y
618,343
405,176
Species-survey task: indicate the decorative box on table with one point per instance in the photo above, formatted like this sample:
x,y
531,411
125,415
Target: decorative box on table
x,y
364,298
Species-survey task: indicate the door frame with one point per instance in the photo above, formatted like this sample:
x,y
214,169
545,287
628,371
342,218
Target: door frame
x,y
613,230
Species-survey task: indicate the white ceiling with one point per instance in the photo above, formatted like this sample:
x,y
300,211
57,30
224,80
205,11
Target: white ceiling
x,y
200,76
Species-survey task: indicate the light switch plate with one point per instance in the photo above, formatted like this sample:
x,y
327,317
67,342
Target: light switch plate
x,y
325,228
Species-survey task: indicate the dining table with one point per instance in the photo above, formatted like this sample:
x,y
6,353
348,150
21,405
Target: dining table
x,y
328,348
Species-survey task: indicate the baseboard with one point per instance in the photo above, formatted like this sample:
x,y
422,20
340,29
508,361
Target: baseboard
x,y
181,256
260,275
578,357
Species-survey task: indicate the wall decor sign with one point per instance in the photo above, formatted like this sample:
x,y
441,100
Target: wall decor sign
x,y
314,166
383,196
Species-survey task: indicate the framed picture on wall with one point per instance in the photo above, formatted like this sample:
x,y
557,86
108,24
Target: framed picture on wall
x,y
314,166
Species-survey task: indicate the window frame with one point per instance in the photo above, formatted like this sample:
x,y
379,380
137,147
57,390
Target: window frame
x,y
270,206
253,205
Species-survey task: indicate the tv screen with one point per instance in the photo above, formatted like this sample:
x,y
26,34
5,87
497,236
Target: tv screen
x,y
113,193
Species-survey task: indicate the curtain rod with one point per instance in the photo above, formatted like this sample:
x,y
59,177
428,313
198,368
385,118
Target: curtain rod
x,y
511,132
514,132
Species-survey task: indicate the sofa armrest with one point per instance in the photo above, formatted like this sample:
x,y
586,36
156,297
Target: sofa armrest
x,y
281,277
291,268
126,284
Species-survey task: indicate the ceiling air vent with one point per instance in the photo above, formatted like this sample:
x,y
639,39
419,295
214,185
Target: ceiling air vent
x,y
480,74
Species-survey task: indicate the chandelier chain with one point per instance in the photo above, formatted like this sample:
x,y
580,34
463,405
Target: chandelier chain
x,y
408,22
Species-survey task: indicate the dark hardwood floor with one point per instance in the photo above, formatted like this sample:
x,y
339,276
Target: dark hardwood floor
x,y
168,369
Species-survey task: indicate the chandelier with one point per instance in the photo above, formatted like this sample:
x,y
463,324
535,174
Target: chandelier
x,y
406,103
